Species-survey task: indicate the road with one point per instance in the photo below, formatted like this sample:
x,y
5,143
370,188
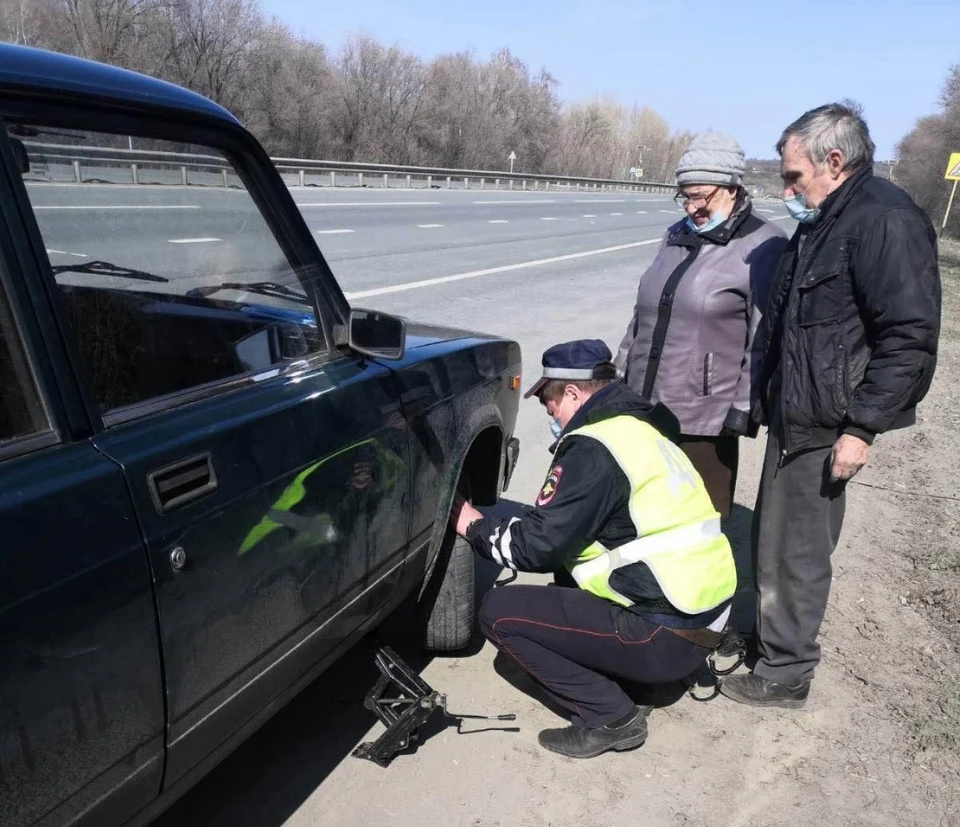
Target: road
x,y
534,267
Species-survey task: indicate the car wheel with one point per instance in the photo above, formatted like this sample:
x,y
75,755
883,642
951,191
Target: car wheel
x,y
447,605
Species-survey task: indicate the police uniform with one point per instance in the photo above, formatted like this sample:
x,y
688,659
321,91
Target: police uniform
x,y
644,576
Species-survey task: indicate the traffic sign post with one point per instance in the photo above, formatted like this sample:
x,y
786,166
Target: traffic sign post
x,y
952,174
513,157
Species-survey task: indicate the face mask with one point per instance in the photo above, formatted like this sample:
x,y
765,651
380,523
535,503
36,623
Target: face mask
x,y
797,207
556,428
715,221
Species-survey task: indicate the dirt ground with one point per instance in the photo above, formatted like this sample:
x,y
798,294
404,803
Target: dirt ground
x,y
877,744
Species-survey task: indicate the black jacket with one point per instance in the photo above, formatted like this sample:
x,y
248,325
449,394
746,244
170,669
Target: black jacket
x,y
585,498
854,317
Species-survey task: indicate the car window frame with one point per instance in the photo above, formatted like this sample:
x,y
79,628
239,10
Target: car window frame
x,y
255,169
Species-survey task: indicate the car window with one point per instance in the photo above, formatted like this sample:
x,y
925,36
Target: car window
x,y
21,410
170,276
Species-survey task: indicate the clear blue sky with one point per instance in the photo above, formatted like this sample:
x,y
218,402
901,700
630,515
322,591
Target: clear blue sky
x,y
700,63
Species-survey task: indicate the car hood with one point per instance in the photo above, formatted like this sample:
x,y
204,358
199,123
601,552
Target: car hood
x,y
420,334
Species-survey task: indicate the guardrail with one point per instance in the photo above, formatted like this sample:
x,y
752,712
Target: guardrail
x,y
88,164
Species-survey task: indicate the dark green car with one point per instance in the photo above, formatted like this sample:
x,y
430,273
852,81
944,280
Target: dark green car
x,y
215,475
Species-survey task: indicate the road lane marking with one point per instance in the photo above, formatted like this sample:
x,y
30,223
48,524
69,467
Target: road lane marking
x,y
333,232
766,210
368,204
669,212
204,240
414,285
781,217
616,213
589,215
118,207
498,221
600,201
65,253
518,201
641,212
549,218
429,226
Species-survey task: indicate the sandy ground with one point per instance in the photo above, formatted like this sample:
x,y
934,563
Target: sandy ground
x,y
877,744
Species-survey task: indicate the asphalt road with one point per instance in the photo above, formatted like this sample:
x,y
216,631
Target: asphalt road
x,y
539,268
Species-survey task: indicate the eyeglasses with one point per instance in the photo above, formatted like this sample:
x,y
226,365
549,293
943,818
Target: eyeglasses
x,y
698,201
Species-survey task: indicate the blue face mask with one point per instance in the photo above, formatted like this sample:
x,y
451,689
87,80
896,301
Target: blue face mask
x,y
797,207
556,428
715,221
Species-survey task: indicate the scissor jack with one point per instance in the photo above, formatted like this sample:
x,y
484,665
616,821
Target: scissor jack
x,y
414,702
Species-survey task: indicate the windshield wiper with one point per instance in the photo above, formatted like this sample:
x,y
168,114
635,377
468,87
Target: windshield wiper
x,y
263,288
105,268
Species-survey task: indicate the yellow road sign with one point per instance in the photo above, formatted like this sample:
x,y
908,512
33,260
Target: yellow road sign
x,y
953,168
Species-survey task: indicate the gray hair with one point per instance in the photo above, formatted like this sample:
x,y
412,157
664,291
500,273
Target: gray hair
x,y
829,127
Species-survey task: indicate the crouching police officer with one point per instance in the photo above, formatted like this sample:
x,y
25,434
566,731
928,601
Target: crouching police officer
x,y
625,519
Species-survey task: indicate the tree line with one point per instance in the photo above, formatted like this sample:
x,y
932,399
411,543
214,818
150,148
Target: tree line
x,y
367,102
923,154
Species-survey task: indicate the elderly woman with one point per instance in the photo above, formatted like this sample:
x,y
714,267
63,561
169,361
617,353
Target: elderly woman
x,y
689,344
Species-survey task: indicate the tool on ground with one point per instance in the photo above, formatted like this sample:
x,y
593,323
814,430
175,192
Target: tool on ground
x,y
412,704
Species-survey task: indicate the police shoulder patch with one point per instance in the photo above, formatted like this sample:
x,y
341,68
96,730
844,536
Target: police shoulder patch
x,y
550,485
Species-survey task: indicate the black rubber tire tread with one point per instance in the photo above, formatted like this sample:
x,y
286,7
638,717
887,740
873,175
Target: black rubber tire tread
x,y
447,607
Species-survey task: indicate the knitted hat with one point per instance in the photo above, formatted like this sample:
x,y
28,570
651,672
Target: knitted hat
x,y
712,158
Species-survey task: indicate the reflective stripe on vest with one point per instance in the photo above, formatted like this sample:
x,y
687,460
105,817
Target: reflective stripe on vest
x,y
678,529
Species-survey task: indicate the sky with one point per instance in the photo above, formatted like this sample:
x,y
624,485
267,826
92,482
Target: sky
x,y
746,67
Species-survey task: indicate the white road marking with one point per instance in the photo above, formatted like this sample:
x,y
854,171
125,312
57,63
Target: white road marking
x,y
641,212
600,201
429,226
117,207
65,253
498,221
766,210
616,213
369,204
780,218
333,232
590,216
518,201
193,240
669,212
414,285
549,218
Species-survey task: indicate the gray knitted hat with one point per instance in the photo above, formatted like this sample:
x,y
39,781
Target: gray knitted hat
x,y
712,158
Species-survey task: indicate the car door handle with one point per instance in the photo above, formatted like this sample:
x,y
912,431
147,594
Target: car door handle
x,y
181,483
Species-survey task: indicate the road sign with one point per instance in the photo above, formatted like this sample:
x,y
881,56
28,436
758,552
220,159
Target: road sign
x,y
512,158
953,168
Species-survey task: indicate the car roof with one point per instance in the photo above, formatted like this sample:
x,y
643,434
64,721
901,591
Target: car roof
x,y
22,66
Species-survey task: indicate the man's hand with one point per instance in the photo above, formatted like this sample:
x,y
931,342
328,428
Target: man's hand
x,y
849,455
462,514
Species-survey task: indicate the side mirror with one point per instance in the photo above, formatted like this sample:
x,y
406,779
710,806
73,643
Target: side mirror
x,y
377,335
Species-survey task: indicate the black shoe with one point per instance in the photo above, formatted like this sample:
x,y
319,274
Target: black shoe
x,y
756,691
575,742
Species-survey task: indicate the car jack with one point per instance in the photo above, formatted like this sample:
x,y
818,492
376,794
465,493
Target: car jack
x,y
404,714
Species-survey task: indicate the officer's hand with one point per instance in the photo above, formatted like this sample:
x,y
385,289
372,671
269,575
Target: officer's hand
x,y
462,514
849,455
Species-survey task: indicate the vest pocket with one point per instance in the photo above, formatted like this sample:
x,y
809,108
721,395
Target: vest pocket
x,y
707,387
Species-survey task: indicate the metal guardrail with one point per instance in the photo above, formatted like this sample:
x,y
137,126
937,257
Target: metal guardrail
x,y
137,166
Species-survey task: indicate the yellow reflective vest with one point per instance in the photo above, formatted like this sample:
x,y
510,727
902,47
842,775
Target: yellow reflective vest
x,y
678,529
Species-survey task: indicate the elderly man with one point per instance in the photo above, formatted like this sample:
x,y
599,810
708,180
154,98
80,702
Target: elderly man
x,y
645,575
849,350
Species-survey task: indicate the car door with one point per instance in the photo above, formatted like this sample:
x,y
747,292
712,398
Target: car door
x,y
267,466
81,692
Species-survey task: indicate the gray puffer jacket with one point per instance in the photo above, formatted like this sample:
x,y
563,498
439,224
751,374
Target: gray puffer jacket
x,y
690,343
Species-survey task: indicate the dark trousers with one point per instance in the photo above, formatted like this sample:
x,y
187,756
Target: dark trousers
x,y
574,644
796,527
717,459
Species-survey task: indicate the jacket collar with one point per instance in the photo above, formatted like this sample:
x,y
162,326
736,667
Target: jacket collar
x,y
837,200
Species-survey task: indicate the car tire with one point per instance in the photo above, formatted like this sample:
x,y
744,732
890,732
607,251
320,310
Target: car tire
x,y
447,604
